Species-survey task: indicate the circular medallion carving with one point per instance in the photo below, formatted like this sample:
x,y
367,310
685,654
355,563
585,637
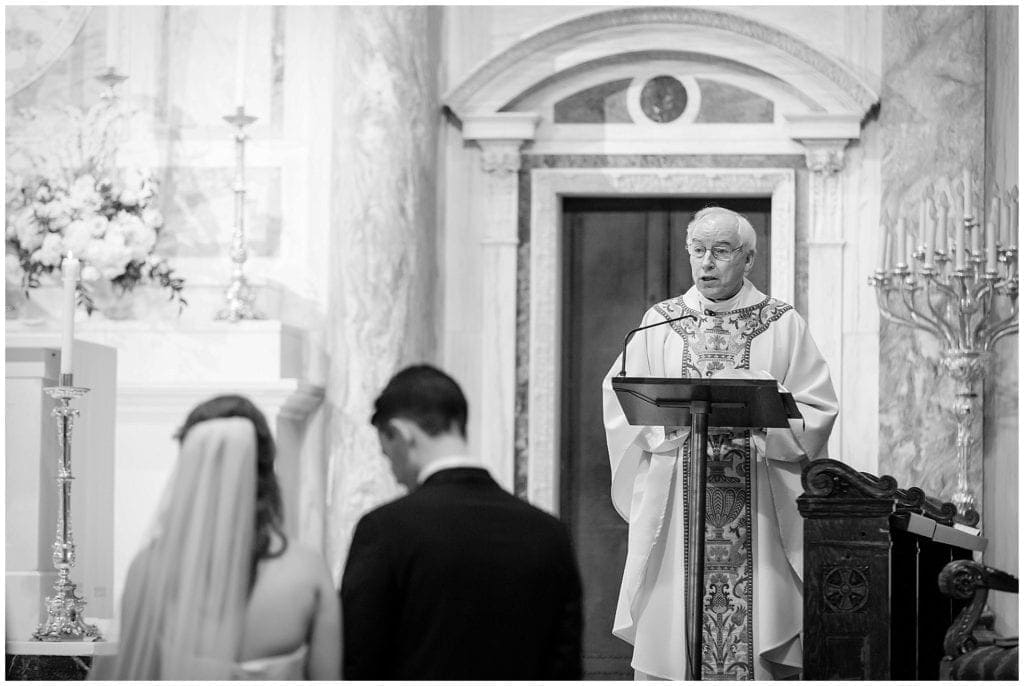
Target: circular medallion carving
x,y
663,99
845,589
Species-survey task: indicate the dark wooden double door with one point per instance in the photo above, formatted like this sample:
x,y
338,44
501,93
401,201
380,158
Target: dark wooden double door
x,y
622,255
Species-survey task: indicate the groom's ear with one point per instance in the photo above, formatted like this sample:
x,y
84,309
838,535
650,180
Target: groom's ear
x,y
400,427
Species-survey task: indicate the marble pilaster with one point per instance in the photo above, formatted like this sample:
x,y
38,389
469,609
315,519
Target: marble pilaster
x,y
381,299
825,261
932,124
500,138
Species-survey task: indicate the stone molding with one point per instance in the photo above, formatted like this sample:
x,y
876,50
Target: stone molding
x,y
847,85
825,156
548,186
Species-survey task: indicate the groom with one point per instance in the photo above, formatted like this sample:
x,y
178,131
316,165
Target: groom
x,y
459,579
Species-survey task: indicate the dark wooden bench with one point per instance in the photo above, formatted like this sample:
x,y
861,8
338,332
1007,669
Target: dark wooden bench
x,y
872,557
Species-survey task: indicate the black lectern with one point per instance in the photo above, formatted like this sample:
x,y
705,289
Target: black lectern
x,y
701,403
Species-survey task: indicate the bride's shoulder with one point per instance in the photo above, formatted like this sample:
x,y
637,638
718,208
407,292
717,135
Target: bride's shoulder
x,y
301,560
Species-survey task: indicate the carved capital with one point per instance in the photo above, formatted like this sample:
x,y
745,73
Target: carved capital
x,y
500,159
825,156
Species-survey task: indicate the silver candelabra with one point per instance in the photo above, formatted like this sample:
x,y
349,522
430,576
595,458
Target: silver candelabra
x,y
65,609
962,289
239,296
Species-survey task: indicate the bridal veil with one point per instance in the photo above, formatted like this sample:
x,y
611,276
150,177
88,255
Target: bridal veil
x,y
183,608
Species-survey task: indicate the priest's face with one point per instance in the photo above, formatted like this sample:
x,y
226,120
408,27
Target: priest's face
x,y
715,278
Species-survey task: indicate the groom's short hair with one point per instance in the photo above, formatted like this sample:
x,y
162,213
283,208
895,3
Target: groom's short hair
x,y
425,395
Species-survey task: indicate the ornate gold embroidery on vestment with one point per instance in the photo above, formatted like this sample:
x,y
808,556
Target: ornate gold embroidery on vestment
x,y
713,343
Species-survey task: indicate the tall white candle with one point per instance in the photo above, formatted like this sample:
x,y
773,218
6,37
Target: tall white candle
x,y
883,253
929,232
243,41
941,241
968,191
901,240
1004,221
961,244
70,270
1011,241
990,240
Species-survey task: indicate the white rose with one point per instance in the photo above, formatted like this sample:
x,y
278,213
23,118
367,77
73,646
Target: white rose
x,y
77,236
90,273
110,255
83,196
49,254
137,236
98,225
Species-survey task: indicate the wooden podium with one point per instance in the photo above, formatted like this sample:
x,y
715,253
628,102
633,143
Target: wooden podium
x,y
701,404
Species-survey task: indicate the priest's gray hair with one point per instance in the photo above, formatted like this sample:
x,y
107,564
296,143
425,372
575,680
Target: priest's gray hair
x,y
748,239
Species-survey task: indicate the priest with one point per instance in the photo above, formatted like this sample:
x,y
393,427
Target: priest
x,y
751,593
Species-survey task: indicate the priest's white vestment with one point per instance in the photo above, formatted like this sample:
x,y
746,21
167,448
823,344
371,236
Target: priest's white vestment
x,y
754,548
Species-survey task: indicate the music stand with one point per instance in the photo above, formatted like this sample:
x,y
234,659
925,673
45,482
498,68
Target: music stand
x,y
700,404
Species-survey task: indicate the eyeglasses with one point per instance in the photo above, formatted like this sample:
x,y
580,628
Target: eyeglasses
x,y
720,253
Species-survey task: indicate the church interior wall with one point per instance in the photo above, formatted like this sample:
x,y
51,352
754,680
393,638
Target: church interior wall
x,y
366,239
932,123
1001,435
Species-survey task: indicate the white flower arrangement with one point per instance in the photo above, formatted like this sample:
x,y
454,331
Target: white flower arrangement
x,y
71,199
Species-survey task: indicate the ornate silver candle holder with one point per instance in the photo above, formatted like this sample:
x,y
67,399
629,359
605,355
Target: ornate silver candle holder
x,y
239,295
65,609
961,308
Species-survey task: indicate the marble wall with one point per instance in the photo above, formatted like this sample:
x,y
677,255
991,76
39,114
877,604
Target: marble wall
x,y
931,123
1001,433
384,282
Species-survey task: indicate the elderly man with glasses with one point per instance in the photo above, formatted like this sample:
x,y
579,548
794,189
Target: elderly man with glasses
x,y
753,544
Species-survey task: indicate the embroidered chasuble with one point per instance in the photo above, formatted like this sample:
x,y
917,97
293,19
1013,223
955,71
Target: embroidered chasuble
x,y
752,606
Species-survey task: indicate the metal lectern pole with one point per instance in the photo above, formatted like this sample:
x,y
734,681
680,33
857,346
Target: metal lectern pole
x,y
695,544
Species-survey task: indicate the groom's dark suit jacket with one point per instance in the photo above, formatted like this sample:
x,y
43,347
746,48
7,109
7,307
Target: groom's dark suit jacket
x,y
461,580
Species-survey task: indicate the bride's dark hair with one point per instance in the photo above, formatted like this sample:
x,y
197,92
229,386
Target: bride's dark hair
x,y
268,494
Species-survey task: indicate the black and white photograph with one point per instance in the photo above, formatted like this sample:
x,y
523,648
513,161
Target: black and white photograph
x,y
490,343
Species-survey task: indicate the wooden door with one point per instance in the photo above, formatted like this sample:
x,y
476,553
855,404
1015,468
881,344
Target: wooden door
x,y
622,255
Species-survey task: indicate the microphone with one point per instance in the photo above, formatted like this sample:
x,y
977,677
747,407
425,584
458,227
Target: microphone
x,y
632,333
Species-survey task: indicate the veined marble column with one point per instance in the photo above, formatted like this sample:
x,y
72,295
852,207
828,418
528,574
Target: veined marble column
x,y
825,263
381,305
500,138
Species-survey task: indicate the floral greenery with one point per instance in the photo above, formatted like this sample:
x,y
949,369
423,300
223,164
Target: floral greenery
x,y
72,199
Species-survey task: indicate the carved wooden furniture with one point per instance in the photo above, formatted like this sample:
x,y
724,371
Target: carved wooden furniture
x,y
872,554
968,655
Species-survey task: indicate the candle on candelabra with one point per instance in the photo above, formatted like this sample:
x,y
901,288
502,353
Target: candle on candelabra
x,y
883,254
1011,241
929,231
978,232
991,231
961,244
968,191
243,39
941,243
70,270
901,239
1004,221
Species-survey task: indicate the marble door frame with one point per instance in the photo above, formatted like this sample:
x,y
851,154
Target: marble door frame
x,y
484,106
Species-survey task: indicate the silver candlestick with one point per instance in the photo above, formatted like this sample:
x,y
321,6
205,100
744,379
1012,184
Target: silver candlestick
x,y
239,294
65,609
959,303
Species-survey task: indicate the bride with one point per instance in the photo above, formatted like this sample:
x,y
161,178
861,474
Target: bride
x,y
218,591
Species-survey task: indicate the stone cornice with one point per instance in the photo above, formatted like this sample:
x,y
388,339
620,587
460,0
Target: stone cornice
x,y
571,32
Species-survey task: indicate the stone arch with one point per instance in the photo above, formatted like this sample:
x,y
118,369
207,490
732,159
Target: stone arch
x,y
839,99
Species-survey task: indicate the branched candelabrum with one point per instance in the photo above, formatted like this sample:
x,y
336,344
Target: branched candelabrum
x,y
965,296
